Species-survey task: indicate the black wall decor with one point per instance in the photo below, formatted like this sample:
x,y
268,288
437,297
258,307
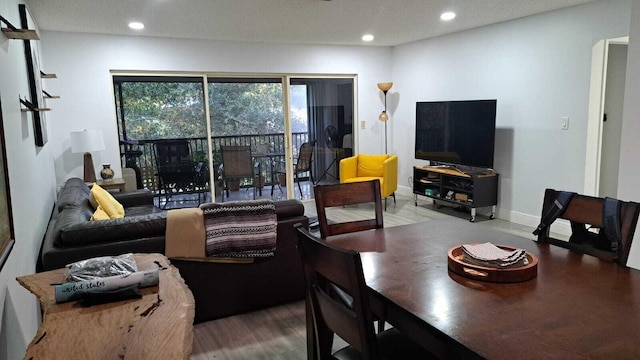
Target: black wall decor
x,y
6,218
32,55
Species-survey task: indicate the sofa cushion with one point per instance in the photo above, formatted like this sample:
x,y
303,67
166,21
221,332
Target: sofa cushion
x,y
73,193
370,165
108,203
142,210
68,217
88,233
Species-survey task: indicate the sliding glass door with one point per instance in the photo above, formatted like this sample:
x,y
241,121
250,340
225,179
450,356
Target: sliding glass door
x,y
282,135
248,137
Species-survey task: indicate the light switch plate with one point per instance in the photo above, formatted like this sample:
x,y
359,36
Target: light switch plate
x,y
564,123
363,124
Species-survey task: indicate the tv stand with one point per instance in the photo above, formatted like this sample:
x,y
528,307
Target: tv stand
x,y
472,189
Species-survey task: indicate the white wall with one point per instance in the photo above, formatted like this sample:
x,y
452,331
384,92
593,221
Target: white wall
x,y
83,63
538,68
32,183
629,175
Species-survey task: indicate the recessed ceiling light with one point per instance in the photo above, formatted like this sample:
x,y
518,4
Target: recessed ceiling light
x,y
367,37
136,25
446,16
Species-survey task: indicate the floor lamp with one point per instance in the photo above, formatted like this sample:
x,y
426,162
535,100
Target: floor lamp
x,y
86,141
385,87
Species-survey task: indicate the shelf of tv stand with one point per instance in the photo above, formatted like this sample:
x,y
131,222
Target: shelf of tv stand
x,y
481,187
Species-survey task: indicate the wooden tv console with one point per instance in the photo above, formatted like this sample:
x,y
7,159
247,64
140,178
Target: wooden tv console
x,y
472,190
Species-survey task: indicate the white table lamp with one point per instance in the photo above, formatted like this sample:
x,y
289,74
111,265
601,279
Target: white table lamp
x,y
86,141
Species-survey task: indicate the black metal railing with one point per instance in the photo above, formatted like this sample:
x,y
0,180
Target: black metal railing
x,y
139,154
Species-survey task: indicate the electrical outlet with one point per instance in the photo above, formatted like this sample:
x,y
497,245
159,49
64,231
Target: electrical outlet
x,y
564,123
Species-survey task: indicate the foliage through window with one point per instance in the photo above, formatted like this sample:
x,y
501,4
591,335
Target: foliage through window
x,y
159,108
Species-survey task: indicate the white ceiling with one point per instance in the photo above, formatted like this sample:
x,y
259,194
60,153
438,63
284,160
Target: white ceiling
x,y
392,22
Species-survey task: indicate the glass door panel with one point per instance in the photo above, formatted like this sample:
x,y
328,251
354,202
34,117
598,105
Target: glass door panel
x,y
329,125
247,127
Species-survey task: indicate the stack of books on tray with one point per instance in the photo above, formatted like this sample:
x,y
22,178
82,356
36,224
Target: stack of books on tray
x,y
489,255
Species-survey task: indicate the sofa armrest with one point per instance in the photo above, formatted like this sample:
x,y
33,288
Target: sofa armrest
x,y
390,175
134,198
113,230
289,208
348,168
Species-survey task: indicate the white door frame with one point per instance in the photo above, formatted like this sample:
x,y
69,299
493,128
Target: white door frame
x,y
599,56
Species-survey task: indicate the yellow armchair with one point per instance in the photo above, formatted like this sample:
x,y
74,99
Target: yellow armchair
x,y
369,167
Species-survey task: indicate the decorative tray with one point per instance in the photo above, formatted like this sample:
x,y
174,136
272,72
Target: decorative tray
x,y
456,264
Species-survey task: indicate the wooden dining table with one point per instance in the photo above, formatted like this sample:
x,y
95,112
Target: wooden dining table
x,y
577,307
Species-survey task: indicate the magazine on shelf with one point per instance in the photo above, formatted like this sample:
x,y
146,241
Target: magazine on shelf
x,y
76,290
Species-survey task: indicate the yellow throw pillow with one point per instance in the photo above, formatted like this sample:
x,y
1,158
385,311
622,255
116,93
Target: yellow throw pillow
x,y
107,202
100,214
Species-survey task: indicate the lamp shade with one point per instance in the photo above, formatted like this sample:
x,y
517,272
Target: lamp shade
x,y
386,86
383,116
87,141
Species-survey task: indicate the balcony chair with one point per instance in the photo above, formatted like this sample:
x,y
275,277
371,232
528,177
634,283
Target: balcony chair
x,y
177,172
328,267
369,167
303,163
238,164
586,214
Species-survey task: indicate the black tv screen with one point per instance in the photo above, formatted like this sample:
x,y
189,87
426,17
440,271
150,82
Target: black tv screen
x,y
456,132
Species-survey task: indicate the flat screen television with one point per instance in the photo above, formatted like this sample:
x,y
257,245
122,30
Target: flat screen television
x,y
456,132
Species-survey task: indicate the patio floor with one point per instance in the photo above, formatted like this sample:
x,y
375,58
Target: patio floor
x,y
279,193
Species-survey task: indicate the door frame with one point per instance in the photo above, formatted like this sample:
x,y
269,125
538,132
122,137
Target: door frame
x,y
599,60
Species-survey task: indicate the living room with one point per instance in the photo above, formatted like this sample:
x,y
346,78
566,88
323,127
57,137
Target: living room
x,y
537,67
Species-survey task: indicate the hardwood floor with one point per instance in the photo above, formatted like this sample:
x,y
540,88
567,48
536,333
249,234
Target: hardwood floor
x,y
279,332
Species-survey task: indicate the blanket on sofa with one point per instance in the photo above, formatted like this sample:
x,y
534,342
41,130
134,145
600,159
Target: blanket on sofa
x,y
230,232
240,229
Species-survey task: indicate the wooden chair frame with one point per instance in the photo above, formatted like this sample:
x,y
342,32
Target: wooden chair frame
x,y
348,194
325,264
584,209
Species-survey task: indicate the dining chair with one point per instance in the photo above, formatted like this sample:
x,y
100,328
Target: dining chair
x,y
238,164
324,265
348,194
586,215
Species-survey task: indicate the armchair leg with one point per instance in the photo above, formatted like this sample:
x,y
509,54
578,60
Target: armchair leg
x,y
394,197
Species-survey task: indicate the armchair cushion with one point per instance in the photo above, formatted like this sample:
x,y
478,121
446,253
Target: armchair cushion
x,y
370,165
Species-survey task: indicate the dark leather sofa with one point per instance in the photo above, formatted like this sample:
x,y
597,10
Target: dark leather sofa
x,y
219,289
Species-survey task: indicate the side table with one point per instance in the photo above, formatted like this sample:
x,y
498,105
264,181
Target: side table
x,y
115,183
157,326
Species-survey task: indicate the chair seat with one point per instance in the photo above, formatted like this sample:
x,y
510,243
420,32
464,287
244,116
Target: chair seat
x,y
392,345
364,178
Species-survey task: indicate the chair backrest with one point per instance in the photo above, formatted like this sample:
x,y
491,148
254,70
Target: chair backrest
x,y
587,210
326,266
173,157
304,156
237,161
348,194
370,165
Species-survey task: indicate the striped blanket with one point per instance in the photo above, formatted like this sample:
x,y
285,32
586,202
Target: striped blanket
x,y
243,229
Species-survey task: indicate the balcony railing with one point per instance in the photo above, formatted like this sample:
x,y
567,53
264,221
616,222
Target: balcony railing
x,y
140,153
